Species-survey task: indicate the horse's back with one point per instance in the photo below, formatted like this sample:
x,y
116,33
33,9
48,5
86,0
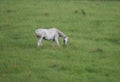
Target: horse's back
x,y
53,30
42,29
48,33
40,32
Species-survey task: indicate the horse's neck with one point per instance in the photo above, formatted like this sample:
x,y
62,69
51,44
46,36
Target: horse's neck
x,y
61,34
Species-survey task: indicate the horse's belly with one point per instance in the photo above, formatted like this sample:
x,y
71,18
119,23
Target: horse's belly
x,y
50,37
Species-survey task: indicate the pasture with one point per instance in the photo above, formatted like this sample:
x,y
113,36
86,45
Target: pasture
x,y
92,53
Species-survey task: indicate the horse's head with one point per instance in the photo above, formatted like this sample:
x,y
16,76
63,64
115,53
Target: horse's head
x,y
65,39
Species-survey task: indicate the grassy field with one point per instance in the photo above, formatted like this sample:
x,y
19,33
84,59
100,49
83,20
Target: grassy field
x,y
93,51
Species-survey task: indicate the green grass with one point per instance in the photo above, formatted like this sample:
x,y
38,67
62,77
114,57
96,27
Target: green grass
x,y
93,51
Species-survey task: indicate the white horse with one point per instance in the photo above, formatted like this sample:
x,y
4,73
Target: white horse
x,y
50,34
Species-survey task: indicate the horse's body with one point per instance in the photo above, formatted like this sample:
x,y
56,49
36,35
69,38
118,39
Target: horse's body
x,y
50,34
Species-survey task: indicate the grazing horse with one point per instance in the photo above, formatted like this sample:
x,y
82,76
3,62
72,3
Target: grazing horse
x,y
50,34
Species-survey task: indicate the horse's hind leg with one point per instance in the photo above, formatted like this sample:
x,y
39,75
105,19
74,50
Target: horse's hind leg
x,y
40,37
39,42
56,40
53,43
